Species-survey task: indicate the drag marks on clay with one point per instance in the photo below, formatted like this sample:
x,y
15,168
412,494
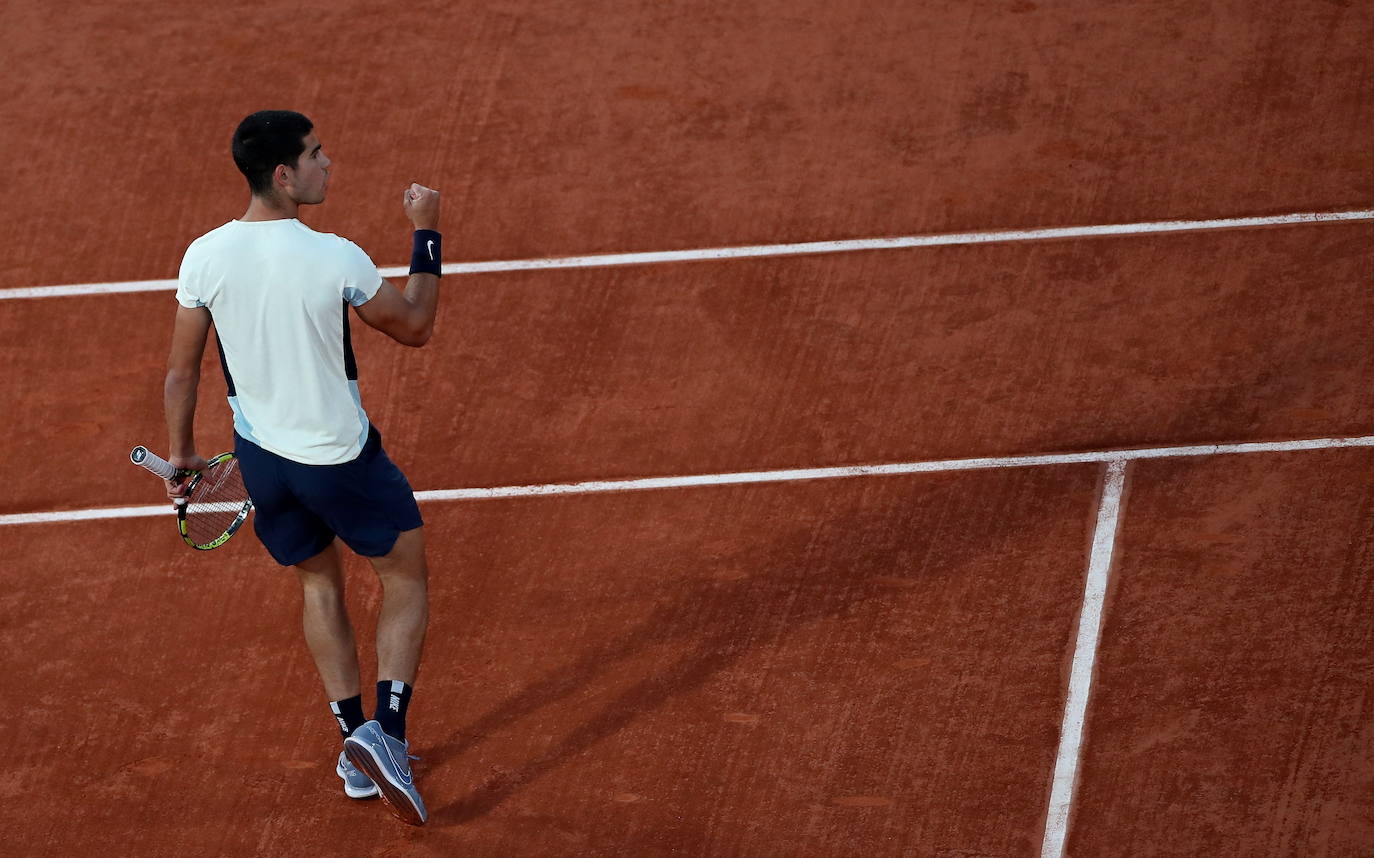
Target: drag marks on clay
x,y
740,718
862,801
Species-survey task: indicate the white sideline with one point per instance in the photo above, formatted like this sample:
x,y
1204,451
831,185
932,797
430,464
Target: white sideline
x,y
596,486
807,247
1084,656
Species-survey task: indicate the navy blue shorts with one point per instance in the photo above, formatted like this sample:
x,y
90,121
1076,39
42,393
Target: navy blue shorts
x,y
299,509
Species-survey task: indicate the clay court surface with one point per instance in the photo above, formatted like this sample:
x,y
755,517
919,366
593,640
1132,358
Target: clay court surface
x,y
872,664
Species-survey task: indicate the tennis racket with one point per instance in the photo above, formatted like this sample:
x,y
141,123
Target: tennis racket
x,y
216,502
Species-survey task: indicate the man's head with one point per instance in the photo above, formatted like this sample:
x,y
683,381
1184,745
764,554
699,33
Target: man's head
x,y
278,153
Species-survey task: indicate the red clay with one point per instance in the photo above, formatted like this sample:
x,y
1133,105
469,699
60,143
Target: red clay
x,y
747,365
561,128
794,669
1231,711
871,667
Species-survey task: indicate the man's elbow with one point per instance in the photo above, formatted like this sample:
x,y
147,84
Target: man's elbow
x,y
418,335
179,378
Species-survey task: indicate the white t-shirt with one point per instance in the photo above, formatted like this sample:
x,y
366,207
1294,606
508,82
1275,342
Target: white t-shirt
x,y
277,292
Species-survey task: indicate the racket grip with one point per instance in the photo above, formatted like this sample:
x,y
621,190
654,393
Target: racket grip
x,y
158,465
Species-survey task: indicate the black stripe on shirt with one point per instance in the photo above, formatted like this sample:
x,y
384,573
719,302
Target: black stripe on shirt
x,y
224,365
350,362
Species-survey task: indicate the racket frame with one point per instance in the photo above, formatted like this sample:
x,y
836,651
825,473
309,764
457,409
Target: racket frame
x,y
233,526
145,458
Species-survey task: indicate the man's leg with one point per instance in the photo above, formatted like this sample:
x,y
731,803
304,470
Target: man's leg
x,y
379,747
405,607
328,632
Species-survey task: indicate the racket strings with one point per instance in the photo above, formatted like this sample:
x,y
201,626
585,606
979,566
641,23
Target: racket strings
x,y
215,502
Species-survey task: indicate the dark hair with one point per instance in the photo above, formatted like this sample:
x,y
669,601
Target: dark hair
x,y
268,138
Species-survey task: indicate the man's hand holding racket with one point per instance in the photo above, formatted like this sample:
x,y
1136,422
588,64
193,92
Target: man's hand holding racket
x,y
187,466
211,499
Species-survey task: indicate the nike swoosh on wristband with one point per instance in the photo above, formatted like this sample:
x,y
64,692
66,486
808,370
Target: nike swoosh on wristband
x,y
429,245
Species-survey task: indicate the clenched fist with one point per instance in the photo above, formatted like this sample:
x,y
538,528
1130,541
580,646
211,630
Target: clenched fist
x,y
422,206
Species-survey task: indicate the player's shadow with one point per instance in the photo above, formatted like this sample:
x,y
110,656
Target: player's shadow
x,y
847,566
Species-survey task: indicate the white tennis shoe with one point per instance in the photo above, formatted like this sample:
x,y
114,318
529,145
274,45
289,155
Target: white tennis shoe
x,y
356,784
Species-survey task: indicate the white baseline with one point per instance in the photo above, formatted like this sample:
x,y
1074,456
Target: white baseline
x,y
750,251
936,466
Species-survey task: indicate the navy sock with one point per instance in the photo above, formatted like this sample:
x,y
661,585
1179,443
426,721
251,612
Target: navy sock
x,y
393,698
349,714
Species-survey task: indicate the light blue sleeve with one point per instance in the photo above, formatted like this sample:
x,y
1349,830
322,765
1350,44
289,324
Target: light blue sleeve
x,y
361,279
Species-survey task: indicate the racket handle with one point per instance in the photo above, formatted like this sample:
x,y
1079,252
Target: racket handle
x,y
163,468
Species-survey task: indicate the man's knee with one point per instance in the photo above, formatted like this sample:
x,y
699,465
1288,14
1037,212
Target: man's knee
x,y
409,543
406,559
323,572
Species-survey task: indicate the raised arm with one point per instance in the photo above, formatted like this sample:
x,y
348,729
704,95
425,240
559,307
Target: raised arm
x,y
408,316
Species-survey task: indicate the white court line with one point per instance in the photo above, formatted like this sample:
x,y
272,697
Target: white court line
x,y
87,514
598,486
807,247
1084,656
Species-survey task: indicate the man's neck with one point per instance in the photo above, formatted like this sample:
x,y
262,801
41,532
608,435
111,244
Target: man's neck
x,y
270,208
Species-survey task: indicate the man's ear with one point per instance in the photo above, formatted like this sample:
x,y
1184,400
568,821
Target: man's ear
x,y
281,176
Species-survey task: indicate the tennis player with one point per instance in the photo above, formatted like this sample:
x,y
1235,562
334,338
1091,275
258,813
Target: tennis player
x,y
278,294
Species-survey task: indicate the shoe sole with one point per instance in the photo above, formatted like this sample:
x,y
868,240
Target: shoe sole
x,y
370,792
396,799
